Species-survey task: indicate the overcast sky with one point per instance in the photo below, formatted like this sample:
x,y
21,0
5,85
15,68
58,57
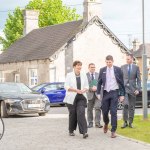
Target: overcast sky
x,y
123,17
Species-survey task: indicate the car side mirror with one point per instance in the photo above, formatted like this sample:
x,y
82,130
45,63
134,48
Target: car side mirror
x,y
43,90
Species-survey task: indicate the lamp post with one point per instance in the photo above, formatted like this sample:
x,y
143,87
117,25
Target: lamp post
x,y
144,69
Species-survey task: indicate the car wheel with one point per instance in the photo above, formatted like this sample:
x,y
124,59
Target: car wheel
x,y
120,106
3,111
62,105
42,114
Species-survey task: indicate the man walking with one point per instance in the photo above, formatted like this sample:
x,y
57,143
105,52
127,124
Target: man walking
x,y
110,81
132,83
93,101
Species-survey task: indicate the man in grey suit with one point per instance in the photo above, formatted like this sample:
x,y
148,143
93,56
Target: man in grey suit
x,y
93,101
132,82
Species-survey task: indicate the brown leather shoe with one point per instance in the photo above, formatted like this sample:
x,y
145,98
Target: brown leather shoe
x,y
113,135
105,128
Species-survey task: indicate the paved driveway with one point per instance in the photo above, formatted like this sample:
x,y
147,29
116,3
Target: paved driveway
x,y
50,133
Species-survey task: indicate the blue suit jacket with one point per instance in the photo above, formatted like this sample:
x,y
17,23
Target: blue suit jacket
x,y
119,78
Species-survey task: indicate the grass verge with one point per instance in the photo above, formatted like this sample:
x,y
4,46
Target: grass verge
x,y
141,130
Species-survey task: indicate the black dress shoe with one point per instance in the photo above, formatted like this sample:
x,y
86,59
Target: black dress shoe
x,y
85,135
90,125
98,126
124,125
130,125
71,134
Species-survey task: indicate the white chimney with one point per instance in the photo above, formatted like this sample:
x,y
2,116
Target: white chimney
x,y
91,8
136,44
30,21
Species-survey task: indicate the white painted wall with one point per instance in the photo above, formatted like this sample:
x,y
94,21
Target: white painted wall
x,y
93,46
59,63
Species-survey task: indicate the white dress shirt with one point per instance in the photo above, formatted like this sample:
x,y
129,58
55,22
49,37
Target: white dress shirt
x,y
111,83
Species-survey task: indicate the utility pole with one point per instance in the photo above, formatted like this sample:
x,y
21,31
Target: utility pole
x,y
144,69
129,37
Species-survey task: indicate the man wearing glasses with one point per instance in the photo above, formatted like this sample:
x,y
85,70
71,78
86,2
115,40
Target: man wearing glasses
x,y
93,101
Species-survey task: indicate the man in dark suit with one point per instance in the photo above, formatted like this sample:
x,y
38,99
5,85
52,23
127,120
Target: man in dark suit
x,y
110,88
132,83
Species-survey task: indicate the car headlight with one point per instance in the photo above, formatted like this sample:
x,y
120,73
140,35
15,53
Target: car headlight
x,y
12,100
45,98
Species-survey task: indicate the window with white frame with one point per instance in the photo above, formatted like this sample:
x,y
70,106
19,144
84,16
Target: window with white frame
x,y
33,77
17,77
52,74
2,79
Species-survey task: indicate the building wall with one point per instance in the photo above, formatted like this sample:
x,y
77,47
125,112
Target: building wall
x,y
68,58
90,46
22,68
59,64
93,46
139,63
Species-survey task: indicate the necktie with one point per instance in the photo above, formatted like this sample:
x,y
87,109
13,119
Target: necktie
x,y
92,76
129,70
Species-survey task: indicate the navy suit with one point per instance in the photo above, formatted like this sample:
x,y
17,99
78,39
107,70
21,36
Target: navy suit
x,y
110,99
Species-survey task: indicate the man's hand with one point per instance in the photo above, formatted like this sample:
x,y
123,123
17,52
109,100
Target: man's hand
x,y
79,91
94,88
121,98
136,92
84,90
99,96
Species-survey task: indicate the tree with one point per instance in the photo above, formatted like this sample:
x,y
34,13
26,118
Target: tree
x,y
13,28
51,12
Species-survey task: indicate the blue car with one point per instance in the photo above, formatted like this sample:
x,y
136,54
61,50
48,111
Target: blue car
x,y
54,91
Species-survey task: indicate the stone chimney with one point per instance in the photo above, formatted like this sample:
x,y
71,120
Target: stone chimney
x,y
136,44
30,21
91,8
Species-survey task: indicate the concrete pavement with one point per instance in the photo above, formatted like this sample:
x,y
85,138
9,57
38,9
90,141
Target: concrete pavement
x,y
50,133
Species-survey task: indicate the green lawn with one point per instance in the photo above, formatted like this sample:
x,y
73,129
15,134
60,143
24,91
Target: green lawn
x,y
141,130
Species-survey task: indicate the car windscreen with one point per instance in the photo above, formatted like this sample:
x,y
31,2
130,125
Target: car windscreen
x,y
14,88
36,88
54,86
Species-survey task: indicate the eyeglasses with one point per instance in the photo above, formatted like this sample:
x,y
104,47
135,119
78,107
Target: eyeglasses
x,y
92,67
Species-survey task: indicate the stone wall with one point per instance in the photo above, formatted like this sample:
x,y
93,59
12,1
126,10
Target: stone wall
x,y
22,68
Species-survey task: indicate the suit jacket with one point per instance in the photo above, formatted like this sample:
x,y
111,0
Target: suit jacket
x,y
102,80
133,82
72,83
90,93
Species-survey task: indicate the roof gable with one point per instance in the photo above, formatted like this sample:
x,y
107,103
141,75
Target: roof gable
x,y
44,42
107,32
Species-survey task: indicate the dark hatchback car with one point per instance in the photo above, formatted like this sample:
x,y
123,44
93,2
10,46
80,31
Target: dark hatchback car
x,y
139,97
53,90
17,98
139,102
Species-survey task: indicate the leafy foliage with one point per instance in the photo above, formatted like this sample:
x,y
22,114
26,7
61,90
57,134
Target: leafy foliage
x,y
51,12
